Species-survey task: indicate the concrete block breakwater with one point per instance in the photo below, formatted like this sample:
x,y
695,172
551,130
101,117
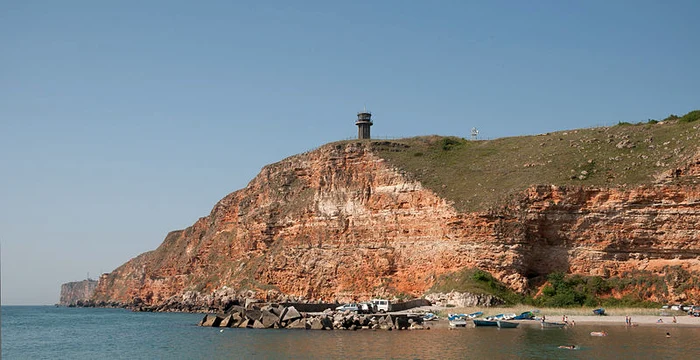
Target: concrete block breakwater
x,y
288,317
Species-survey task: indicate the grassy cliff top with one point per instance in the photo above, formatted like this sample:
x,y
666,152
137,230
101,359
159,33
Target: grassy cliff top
x,y
477,174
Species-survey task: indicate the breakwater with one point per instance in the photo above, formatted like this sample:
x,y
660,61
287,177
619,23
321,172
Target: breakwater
x,y
289,317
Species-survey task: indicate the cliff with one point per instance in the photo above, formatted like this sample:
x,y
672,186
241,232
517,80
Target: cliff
x,y
342,222
76,292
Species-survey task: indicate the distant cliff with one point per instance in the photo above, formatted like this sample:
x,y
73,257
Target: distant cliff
x,y
77,291
387,218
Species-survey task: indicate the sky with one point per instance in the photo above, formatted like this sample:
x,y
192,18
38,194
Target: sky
x,y
121,121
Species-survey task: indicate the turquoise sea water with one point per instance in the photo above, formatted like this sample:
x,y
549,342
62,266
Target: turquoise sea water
x,y
46,332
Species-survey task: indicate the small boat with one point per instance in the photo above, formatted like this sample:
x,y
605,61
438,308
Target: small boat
x,y
478,322
552,325
506,324
474,315
527,315
458,323
496,317
457,320
599,333
599,311
501,317
429,317
456,316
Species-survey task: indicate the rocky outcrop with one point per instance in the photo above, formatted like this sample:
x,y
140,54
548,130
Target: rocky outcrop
x,y
281,317
339,223
77,293
463,299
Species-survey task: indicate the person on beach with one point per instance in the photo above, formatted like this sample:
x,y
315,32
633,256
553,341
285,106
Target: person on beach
x,y
668,335
674,319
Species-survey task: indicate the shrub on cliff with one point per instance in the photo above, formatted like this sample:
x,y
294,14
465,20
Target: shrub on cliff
x,y
690,117
475,281
576,290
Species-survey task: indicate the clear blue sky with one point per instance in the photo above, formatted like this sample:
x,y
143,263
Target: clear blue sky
x,y
123,120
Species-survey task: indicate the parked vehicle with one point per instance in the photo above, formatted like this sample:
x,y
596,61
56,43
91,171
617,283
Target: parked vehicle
x,y
368,307
694,311
382,305
352,307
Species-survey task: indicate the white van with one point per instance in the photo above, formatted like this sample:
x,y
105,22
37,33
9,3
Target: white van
x,y
382,305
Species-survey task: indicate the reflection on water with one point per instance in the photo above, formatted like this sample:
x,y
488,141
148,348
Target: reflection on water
x,y
46,332
474,343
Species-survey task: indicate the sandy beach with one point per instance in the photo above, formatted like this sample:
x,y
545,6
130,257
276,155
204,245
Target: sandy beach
x,y
614,316
641,320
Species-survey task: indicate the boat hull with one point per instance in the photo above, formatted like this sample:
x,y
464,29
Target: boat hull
x,y
552,325
485,322
458,323
506,324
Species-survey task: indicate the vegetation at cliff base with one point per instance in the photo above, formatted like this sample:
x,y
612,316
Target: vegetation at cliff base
x,y
631,289
475,281
475,175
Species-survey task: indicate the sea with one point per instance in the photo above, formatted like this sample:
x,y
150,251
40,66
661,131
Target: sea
x,y
48,332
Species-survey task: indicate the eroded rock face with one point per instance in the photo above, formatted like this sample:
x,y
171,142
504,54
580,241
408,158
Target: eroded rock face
x,y
340,223
78,291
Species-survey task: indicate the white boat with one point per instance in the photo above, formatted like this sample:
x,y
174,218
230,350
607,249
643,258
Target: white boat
x,y
457,320
501,317
460,322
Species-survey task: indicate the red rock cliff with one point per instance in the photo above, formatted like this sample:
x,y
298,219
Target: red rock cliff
x,y
339,222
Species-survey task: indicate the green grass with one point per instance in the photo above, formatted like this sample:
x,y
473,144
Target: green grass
x,y
475,281
566,291
476,175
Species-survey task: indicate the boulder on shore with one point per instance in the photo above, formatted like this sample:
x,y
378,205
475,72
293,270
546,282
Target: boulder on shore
x,y
227,321
210,320
290,313
268,319
297,324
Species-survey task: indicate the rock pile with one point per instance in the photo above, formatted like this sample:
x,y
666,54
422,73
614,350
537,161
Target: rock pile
x,y
280,317
459,299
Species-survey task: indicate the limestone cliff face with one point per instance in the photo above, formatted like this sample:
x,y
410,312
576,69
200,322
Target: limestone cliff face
x,y
339,222
73,292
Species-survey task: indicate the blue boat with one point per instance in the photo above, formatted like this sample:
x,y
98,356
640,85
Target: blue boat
x,y
429,317
527,315
485,322
599,311
452,317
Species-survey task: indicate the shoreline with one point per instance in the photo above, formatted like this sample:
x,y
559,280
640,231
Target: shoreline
x,y
637,320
